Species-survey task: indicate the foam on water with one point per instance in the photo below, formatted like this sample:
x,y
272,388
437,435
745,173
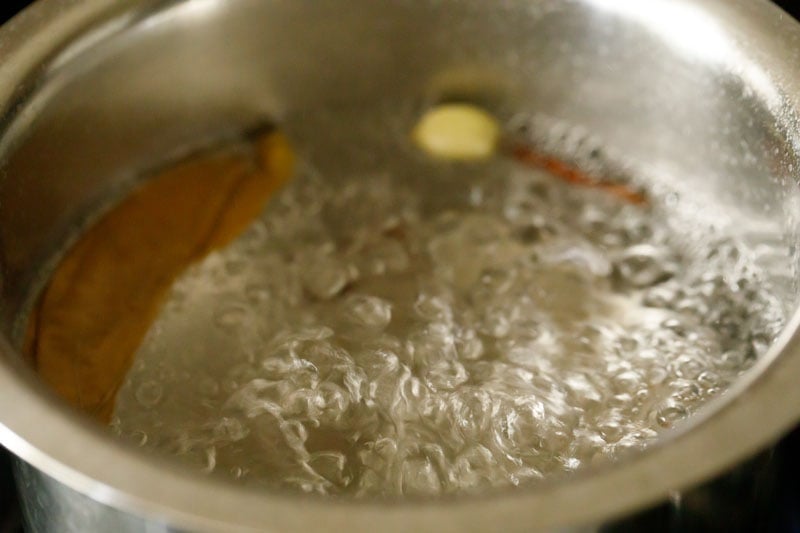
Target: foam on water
x,y
358,341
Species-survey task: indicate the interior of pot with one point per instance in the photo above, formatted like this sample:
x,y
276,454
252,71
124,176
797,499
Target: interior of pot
x,y
699,115
122,100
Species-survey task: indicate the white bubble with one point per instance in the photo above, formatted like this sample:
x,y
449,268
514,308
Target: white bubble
x,y
326,277
644,265
369,311
149,394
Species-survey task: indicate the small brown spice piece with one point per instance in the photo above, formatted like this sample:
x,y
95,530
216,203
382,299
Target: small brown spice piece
x,y
530,157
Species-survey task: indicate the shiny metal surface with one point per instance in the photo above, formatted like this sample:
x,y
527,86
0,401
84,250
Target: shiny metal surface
x,y
50,507
704,94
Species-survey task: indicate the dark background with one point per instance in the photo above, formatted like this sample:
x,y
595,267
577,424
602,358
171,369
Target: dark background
x,y
777,497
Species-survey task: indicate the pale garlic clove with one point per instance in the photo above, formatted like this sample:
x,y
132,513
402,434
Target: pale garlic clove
x,y
458,132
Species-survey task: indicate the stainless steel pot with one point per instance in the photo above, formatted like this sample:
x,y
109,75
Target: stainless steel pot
x,y
704,94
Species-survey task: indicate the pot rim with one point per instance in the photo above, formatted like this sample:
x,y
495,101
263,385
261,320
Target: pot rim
x,y
50,436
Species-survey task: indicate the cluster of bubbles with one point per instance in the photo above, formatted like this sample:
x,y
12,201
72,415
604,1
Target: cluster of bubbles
x,y
357,341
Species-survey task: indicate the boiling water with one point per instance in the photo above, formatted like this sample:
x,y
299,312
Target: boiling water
x,y
363,338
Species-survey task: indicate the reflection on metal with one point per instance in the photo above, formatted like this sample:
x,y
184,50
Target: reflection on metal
x,y
713,127
694,33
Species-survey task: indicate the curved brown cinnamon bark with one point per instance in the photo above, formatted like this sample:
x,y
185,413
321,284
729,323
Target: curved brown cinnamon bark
x,y
528,156
111,285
